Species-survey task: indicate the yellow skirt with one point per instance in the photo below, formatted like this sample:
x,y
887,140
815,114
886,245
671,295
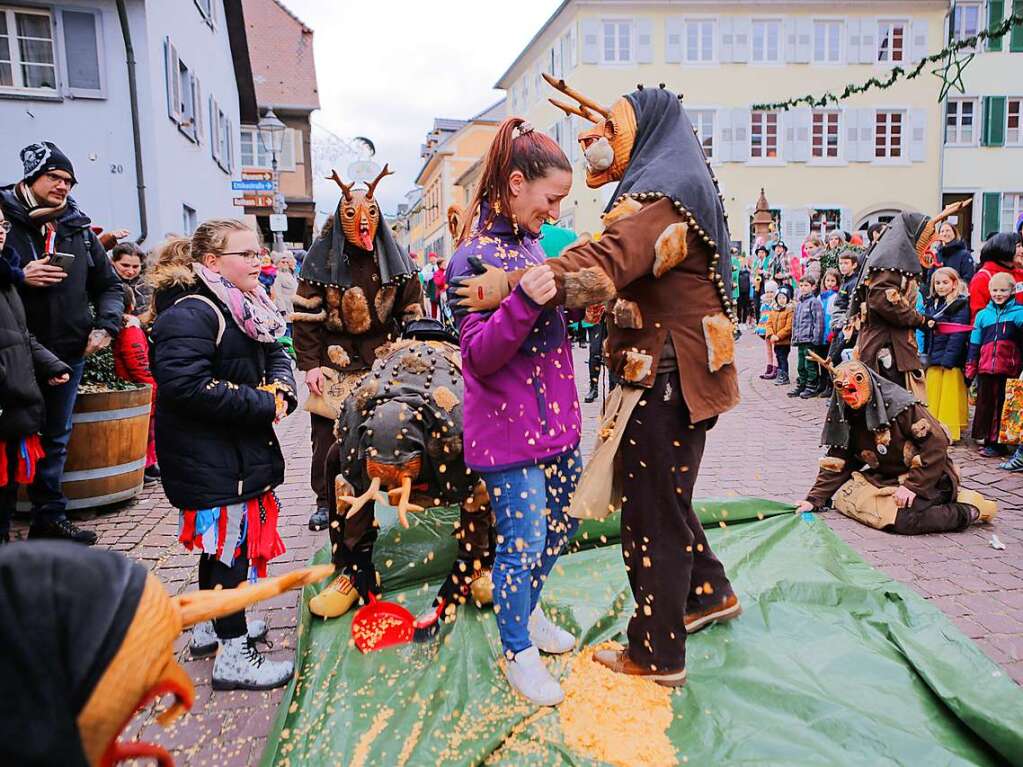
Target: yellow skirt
x,y
946,398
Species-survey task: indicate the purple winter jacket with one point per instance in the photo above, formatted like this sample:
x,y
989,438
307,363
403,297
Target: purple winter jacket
x,y
521,405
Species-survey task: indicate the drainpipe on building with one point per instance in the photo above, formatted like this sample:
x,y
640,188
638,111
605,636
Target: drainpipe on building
x,y
133,95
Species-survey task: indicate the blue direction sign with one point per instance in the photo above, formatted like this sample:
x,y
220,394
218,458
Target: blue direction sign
x,y
249,185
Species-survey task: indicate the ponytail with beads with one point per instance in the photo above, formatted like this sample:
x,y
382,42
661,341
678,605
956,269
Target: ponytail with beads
x,y
516,146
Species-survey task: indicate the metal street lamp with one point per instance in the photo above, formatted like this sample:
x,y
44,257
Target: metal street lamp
x,y
271,135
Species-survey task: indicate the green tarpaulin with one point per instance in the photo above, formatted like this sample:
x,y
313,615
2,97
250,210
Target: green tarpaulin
x,y
831,663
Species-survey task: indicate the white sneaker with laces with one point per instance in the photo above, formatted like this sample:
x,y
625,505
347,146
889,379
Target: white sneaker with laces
x,y
548,636
528,676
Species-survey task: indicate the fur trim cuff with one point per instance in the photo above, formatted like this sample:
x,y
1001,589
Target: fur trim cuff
x,y
304,317
310,302
587,286
831,463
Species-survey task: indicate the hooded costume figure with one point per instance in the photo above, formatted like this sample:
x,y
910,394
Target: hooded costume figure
x,y
663,263
89,641
402,431
883,305
880,439
356,290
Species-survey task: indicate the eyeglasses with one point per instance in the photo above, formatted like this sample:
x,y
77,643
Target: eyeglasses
x,y
65,180
252,256
5,226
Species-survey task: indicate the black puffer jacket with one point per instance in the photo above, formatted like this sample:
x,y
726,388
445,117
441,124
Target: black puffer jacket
x,y
957,256
22,360
61,316
214,427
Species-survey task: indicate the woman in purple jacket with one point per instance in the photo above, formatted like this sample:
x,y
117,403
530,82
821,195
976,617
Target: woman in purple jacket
x,y
522,418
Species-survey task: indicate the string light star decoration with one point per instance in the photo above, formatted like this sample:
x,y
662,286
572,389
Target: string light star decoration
x,y
950,74
949,78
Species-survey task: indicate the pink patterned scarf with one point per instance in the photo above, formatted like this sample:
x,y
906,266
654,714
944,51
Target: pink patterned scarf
x,y
254,312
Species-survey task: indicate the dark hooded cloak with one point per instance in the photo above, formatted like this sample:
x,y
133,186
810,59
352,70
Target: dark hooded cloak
x,y
327,263
887,401
896,250
667,158
64,611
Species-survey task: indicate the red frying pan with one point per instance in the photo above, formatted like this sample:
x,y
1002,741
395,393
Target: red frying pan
x,y
381,624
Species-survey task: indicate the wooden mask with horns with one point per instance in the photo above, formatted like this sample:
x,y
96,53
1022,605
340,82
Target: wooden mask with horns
x,y
359,211
607,146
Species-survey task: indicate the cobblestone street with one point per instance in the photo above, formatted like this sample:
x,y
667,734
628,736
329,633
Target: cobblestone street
x,y
767,447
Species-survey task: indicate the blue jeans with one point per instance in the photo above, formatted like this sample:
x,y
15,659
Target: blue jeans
x,y
48,501
533,528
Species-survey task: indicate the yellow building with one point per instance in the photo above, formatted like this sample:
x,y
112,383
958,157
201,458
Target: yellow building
x,y
846,166
451,149
984,127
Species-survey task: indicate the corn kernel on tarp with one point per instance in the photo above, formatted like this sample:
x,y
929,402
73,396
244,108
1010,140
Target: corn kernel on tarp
x,y
831,663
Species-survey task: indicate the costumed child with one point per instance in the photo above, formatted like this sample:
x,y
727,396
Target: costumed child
x,y
131,363
884,302
664,260
908,483
765,306
807,328
779,332
995,355
945,345
224,381
23,362
522,414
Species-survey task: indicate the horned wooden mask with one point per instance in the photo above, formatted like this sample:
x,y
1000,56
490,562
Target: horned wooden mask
x,y
358,210
607,146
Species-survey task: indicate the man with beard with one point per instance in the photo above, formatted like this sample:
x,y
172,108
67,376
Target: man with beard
x,y
74,304
356,290
664,262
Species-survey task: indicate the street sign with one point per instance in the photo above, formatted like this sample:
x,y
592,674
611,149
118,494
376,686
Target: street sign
x,y
257,175
255,201
278,222
252,185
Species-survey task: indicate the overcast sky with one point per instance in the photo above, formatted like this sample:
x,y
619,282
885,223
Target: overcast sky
x,y
386,68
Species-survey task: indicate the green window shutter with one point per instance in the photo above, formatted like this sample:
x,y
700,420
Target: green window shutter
x,y
995,16
1016,35
994,120
991,216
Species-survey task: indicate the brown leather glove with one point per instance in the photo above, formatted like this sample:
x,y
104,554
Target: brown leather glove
x,y
482,291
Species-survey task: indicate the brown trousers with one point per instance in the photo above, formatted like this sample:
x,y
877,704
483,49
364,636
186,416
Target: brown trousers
x,y
670,564
941,514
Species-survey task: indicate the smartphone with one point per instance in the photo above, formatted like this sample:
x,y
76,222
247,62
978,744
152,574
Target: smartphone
x,y
62,260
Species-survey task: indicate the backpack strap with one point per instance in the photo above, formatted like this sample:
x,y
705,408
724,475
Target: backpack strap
x,y
221,322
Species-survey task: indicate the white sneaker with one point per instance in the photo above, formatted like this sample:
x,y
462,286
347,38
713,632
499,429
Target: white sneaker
x,y
547,636
204,639
530,678
240,666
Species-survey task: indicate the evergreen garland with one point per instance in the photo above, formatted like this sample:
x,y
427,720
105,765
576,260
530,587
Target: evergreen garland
x,y
951,71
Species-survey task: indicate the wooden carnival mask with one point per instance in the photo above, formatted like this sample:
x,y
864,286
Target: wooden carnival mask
x,y
144,668
929,235
358,210
607,146
852,382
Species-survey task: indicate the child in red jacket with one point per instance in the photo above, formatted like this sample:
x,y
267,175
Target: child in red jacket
x,y
131,362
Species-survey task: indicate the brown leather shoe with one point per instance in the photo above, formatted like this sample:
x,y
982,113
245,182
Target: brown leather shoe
x,y
725,610
620,662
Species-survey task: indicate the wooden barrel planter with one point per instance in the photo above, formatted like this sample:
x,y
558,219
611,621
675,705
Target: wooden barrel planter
x,y
106,455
